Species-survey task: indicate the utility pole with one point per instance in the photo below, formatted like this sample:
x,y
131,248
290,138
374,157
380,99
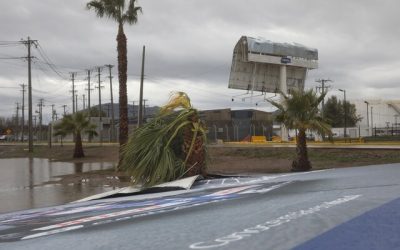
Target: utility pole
x,y
141,90
52,112
323,90
73,74
133,111
83,100
29,43
64,106
99,87
76,102
23,112
40,105
89,90
112,104
17,120
144,108
34,117
100,110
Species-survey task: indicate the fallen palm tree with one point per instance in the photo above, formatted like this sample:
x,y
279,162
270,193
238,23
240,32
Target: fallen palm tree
x,y
169,147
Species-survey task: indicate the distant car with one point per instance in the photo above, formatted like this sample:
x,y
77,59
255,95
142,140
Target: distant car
x,y
3,137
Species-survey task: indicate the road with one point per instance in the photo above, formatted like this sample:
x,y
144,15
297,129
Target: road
x,y
348,208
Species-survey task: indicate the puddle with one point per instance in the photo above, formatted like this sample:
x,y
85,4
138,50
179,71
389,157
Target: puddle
x,y
22,183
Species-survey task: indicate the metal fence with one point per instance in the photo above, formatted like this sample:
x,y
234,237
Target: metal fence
x,y
237,132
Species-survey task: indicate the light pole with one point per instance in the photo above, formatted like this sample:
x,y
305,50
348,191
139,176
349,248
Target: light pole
x,y
367,115
372,120
367,112
345,113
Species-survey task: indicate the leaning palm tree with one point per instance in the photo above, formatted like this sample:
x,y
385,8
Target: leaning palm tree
x,y
300,111
170,146
122,13
76,124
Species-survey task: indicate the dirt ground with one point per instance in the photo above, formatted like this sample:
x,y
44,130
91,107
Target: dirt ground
x,y
222,160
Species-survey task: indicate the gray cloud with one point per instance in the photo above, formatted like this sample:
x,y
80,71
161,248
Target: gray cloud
x,y
189,45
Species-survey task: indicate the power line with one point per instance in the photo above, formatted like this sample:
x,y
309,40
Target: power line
x,y
48,62
11,58
11,42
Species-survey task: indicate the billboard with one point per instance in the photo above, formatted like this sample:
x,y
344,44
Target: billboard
x,y
257,65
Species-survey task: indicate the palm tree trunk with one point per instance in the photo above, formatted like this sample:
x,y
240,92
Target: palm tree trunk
x,y
78,152
301,163
196,162
122,76
123,99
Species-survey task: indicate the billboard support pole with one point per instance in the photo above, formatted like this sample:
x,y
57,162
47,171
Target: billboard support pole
x,y
283,88
253,80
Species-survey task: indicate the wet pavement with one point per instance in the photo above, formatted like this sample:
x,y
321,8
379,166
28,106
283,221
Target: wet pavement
x,y
24,183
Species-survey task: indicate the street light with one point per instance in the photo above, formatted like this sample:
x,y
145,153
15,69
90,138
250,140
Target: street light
x,y
372,121
367,113
345,113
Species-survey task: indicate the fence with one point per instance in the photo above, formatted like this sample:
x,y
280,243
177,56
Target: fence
x,y
237,132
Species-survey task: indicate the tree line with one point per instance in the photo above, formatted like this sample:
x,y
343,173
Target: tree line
x,y
334,113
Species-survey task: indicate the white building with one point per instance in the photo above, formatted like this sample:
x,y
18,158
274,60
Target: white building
x,y
381,113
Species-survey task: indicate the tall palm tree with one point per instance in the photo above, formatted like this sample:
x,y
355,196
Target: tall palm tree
x,y
122,13
300,111
76,124
170,146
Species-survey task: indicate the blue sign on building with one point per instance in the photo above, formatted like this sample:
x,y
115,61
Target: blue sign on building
x,y
286,60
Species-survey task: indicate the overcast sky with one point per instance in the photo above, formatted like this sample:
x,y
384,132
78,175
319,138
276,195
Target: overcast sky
x,y
189,45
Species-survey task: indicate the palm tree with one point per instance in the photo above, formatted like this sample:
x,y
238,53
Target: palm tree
x,y
76,124
170,146
300,111
121,13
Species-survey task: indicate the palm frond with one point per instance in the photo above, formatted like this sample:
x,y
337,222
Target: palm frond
x,y
154,153
130,16
300,110
98,7
75,123
176,100
109,8
147,155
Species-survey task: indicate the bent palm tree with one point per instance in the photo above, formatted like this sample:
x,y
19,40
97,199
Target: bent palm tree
x,y
121,13
76,124
300,111
170,146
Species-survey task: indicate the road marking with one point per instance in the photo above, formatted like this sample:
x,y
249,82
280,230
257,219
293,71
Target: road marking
x,y
248,232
